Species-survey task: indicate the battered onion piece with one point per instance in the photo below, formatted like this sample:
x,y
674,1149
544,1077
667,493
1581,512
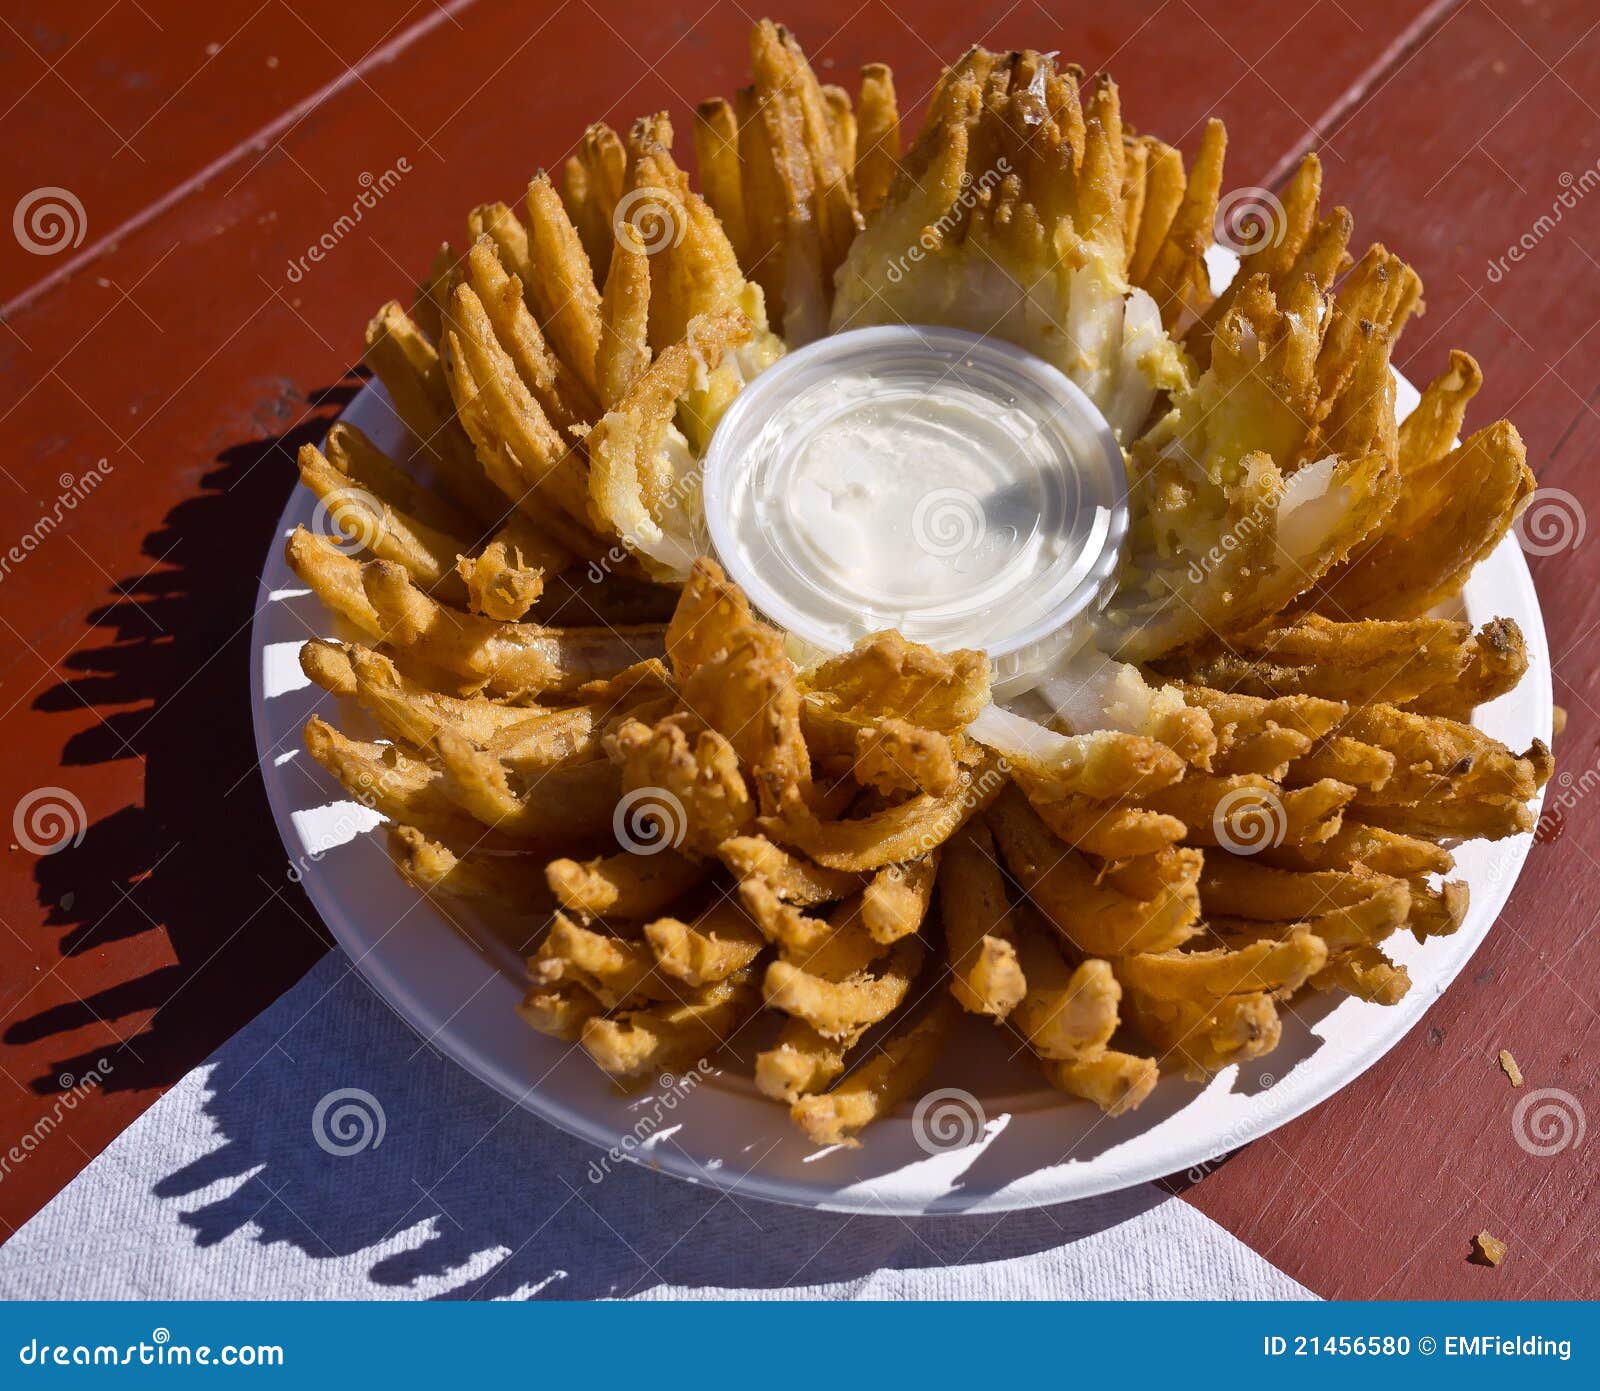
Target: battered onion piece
x,y
1253,812
748,694
1104,765
720,941
408,365
566,402
641,482
560,1013
334,578
591,184
897,756
791,878
512,659
1085,902
1446,530
895,900
401,788
1262,734
878,137
902,832
1115,1082
884,676
575,800
513,882
1437,910
624,885
688,778
1386,852
1280,967
980,934
1202,1037
1356,662
801,1062
517,444
712,614
412,714
1112,830
670,1035
838,1008
1066,1013
612,969
890,1076
1366,973
562,283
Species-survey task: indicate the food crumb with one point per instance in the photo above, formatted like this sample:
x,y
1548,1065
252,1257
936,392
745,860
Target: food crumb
x,y
1508,1065
1488,1250
1558,719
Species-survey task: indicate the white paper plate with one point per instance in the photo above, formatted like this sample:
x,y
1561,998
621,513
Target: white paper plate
x,y
1013,1142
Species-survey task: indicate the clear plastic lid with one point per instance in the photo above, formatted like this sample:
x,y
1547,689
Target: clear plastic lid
x,y
927,479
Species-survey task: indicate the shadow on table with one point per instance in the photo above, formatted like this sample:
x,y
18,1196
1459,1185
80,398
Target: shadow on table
x,y
449,1191
466,1196
195,860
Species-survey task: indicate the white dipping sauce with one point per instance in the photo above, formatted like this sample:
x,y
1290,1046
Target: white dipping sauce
x,y
923,479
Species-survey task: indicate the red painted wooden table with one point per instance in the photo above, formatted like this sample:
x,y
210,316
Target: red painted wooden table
x,y
162,365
